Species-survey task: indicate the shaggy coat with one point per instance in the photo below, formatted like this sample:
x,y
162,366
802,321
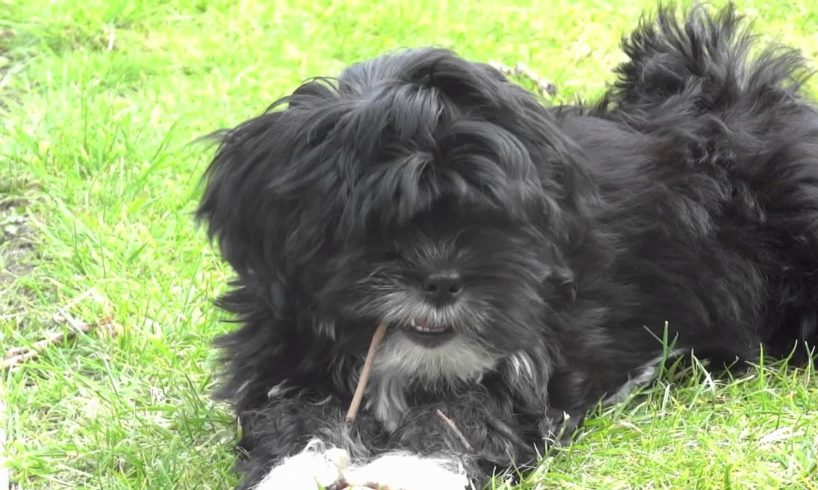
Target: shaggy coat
x,y
530,262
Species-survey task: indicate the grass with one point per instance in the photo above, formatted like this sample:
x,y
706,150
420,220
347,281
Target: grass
x,y
99,103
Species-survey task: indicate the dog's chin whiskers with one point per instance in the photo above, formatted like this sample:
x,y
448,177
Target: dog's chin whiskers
x,y
402,364
404,309
400,308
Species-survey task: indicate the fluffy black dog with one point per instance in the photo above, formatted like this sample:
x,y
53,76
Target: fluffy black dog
x,y
530,262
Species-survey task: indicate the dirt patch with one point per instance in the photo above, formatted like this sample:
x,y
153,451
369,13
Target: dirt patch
x,y
6,37
15,243
17,251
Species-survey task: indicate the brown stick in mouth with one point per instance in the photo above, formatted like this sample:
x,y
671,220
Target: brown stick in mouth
x,y
377,338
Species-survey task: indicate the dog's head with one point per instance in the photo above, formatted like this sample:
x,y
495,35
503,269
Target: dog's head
x,y
417,189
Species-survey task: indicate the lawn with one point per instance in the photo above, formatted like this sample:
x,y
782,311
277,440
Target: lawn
x,y
100,106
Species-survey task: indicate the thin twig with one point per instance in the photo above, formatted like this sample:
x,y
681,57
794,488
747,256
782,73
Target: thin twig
x,y
543,87
50,339
377,337
454,428
18,355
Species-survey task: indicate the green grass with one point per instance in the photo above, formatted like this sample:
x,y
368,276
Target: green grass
x,y
99,101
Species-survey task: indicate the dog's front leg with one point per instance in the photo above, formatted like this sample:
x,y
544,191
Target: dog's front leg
x,y
481,431
299,444
316,466
324,466
401,470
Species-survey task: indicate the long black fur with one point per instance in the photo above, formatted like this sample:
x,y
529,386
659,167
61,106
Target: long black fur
x,y
683,206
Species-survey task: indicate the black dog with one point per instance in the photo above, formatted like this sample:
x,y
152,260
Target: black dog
x,y
529,262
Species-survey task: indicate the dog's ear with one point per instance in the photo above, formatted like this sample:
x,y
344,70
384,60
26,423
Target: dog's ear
x,y
256,202
568,192
230,204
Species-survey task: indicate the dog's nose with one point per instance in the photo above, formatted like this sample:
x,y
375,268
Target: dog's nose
x,y
442,287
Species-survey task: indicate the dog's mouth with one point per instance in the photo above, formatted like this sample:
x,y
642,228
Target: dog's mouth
x,y
426,329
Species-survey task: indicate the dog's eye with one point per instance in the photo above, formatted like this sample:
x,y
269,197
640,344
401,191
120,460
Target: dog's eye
x,y
392,252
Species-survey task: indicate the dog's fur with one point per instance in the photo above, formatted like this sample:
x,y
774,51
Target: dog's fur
x,y
681,210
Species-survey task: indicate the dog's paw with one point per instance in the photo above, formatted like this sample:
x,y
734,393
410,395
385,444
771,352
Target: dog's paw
x,y
314,468
401,471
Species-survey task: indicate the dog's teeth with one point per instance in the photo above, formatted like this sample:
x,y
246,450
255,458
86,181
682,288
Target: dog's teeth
x,y
425,326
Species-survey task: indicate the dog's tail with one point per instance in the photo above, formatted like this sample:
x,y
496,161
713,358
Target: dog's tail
x,y
703,55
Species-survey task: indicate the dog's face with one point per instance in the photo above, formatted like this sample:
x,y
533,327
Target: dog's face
x,y
459,289
420,190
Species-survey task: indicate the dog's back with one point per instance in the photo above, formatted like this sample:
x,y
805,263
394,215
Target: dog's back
x,y
707,156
